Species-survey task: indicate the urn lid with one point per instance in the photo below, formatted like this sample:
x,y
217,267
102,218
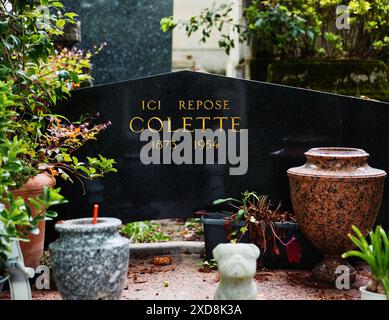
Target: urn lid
x,y
337,153
337,162
86,225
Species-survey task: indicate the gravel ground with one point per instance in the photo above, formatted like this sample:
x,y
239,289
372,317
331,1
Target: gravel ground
x,y
182,280
179,231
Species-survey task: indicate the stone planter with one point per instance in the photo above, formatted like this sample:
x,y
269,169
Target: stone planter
x,y
349,77
90,261
33,250
368,295
334,190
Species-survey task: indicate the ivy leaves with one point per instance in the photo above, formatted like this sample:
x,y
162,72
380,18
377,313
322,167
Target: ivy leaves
x,y
297,29
216,17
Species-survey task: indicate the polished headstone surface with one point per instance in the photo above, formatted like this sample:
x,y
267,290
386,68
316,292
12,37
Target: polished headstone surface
x,y
136,45
270,113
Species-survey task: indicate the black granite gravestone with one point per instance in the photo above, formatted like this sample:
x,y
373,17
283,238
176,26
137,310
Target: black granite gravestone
x,y
269,112
136,45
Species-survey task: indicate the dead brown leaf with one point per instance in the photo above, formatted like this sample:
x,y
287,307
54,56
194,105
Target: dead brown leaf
x,y
162,261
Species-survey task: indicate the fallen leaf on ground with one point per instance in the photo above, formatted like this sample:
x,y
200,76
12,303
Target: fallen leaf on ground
x,y
162,261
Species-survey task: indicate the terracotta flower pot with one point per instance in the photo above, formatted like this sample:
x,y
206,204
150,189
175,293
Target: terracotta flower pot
x,y
334,190
33,250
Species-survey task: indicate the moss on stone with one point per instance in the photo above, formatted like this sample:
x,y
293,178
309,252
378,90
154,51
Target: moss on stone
x,y
348,77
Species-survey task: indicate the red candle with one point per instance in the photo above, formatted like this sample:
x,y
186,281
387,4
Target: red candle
x,y
95,213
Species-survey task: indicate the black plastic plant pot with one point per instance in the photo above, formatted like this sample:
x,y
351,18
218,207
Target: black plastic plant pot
x,y
298,254
215,232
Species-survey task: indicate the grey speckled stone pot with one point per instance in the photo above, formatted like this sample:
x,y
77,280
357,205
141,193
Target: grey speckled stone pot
x,y
90,262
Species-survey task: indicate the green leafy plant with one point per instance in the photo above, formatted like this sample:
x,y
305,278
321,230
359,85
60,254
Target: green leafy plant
x,y
41,77
73,63
195,225
297,29
34,136
17,221
144,231
207,265
259,217
376,254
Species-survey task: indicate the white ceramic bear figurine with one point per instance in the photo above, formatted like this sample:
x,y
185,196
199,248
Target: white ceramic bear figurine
x,y
237,264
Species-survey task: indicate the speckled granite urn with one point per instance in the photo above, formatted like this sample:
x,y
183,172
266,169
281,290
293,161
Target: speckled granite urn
x,y
335,189
90,261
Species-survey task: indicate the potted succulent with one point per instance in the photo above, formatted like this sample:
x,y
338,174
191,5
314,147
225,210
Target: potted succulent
x,y
255,219
38,78
376,254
